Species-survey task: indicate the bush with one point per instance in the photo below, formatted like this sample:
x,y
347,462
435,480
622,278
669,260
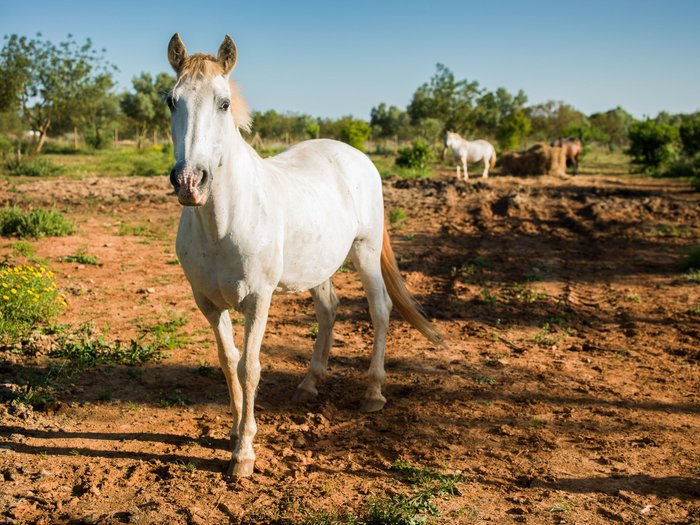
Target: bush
x,y
32,167
652,143
415,157
690,136
691,261
28,297
356,133
34,224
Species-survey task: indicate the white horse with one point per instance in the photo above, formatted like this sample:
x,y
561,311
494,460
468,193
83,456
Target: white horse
x,y
471,151
253,226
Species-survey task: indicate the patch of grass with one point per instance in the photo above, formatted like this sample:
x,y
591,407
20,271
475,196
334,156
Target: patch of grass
x,y
633,298
313,331
694,310
484,380
81,257
489,299
546,337
693,276
523,294
33,224
668,230
83,349
165,335
561,506
32,167
139,230
414,507
115,162
397,216
173,398
23,248
29,298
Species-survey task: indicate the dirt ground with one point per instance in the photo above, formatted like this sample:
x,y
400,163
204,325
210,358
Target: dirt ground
x,y
568,391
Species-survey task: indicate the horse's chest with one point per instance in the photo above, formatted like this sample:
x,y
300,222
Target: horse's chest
x,y
213,274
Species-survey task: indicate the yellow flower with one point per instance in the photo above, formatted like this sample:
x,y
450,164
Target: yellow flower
x,y
13,291
4,285
6,297
36,299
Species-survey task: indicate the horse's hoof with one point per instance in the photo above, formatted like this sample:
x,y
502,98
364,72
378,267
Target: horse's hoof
x,y
303,396
240,469
373,405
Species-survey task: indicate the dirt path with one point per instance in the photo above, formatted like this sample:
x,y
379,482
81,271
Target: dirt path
x,y
568,392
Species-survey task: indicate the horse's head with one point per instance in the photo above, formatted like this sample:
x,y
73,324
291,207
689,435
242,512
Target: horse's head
x,y
200,117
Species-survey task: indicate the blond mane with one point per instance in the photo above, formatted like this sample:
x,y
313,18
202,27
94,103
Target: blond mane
x,y
201,66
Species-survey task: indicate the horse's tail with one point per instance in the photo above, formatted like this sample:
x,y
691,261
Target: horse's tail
x,y
400,296
493,159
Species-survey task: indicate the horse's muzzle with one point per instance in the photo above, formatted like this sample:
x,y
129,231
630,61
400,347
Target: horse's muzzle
x,y
191,184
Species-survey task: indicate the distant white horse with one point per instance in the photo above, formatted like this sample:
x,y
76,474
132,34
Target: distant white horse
x,y
253,226
465,151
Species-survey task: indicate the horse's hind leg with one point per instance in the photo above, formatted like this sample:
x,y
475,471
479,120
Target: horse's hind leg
x,y
464,165
367,262
325,304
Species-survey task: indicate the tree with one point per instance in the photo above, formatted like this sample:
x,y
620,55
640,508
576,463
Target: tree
x,y
513,131
145,107
611,128
46,83
494,108
652,143
690,135
389,122
445,99
553,119
355,132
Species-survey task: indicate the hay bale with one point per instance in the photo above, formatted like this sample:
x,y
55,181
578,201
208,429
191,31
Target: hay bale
x,y
540,159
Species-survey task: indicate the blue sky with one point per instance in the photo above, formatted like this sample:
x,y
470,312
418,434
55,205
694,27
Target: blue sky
x,y
331,58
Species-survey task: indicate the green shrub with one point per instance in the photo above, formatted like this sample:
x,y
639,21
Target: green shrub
x,y
652,143
35,223
416,157
356,133
32,167
691,261
29,297
690,136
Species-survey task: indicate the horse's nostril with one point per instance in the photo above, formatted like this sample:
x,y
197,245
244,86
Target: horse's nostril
x,y
205,174
173,181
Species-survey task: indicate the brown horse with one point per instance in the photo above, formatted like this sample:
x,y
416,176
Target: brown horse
x,y
572,148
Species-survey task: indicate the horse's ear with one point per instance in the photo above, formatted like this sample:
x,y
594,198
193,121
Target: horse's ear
x,y
227,55
177,53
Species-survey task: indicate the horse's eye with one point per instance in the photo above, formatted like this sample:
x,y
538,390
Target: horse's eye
x,y
170,102
225,105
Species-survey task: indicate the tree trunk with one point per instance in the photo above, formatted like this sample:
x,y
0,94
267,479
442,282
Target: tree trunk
x,y
40,142
75,137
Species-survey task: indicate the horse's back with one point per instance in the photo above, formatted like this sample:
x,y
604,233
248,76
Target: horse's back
x,y
332,172
330,195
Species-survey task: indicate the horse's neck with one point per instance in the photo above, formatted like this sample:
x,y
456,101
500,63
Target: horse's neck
x,y
236,193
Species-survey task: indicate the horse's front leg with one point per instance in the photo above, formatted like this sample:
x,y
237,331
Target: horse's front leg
x,y
464,165
255,308
220,322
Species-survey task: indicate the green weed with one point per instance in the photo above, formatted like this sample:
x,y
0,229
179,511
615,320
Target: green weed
x,y
33,224
397,216
81,257
32,167
489,299
313,331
